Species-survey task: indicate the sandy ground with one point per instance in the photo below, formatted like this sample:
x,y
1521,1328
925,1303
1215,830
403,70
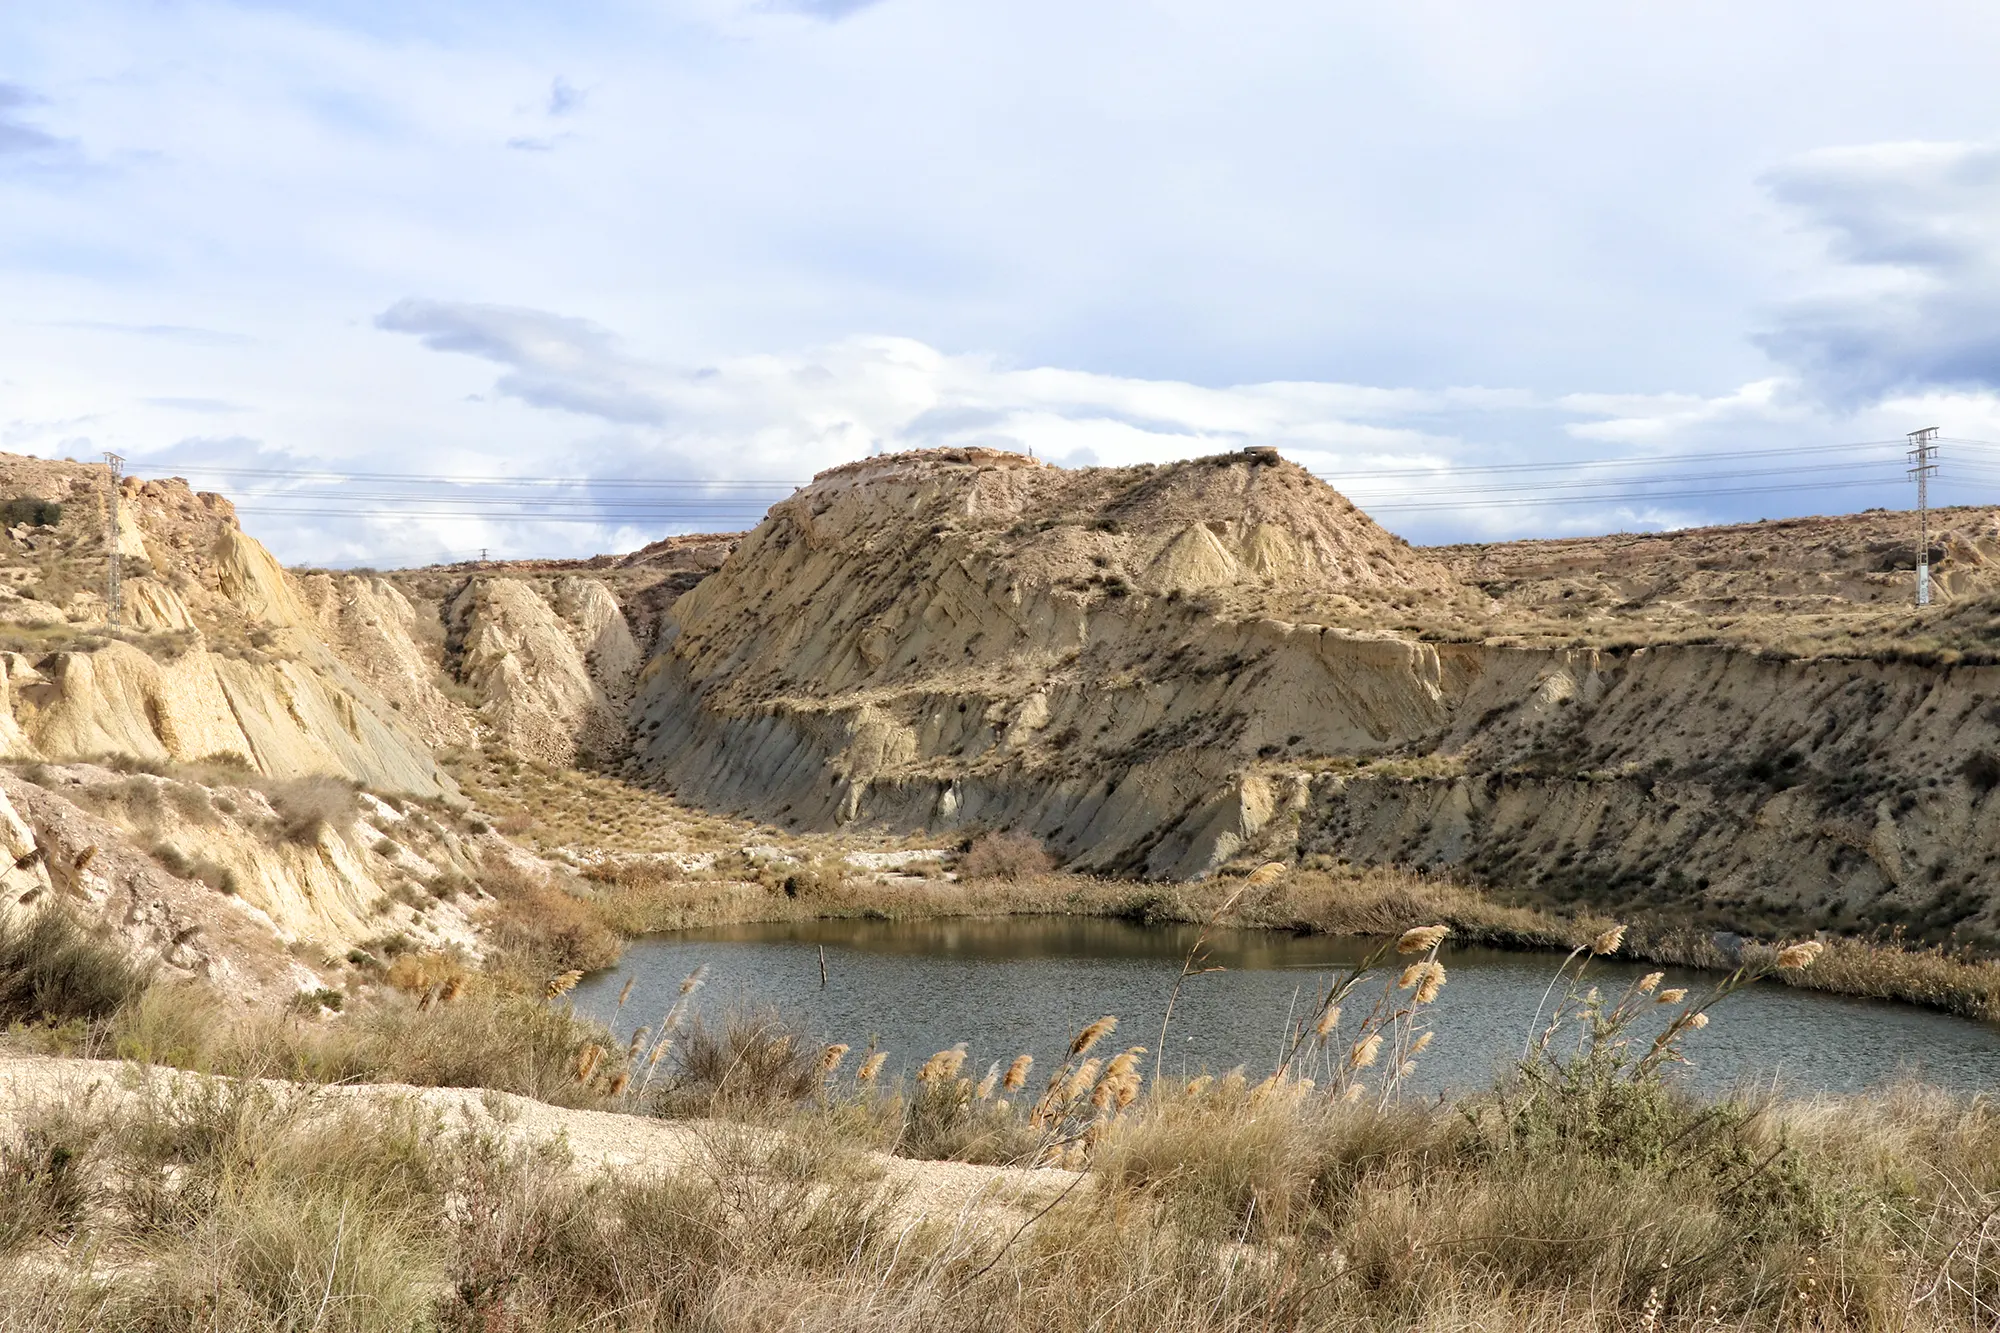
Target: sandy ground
x,y
952,1192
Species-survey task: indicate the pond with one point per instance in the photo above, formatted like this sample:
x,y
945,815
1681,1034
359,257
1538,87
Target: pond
x,y
1025,984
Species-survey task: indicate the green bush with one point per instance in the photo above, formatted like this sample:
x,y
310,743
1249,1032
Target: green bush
x,y
27,509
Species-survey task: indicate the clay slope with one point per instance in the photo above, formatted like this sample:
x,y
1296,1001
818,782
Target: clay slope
x,y
971,637
189,777
1159,669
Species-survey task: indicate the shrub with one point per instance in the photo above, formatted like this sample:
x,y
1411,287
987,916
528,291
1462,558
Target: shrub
x,y
755,1062
193,802
946,1119
52,971
1982,771
307,807
1010,856
478,1038
44,1189
541,928
28,509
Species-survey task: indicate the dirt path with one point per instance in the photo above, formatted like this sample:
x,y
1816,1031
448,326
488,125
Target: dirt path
x,y
955,1192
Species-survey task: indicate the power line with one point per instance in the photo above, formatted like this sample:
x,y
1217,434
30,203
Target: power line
x,y
1530,502
437,478
439,496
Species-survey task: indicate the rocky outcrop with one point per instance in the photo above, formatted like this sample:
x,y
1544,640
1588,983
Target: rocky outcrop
x,y
283,718
226,880
971,638
554,675
1844,792
1159,670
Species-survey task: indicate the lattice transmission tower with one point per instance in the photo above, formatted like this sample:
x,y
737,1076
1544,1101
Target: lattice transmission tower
x,y
117,466
1923,466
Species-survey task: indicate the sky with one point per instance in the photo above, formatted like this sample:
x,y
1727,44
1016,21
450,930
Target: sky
x,y
617,268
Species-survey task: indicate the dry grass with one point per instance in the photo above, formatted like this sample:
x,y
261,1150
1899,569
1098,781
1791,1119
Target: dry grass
x,y
1581,1194
54,971
308,806
1012,856
545,923
480,1037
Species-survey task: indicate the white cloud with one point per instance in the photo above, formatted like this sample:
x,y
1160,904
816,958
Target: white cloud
x,y
1381,237
1913,294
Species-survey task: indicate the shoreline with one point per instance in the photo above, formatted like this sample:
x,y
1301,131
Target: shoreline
x,y
1352,903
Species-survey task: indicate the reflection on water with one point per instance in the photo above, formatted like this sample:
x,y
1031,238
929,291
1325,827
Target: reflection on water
x,y
1017,984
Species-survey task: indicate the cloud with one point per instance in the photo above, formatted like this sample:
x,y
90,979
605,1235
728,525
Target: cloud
x,y
555,361
1650,418
212,406
16,135
863,395
831,10
1912,299
564,98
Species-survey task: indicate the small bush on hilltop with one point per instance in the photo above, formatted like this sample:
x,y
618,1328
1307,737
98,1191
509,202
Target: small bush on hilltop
x,y
28,509
1011,856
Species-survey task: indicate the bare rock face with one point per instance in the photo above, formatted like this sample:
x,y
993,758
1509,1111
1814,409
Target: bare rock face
x,y
555,679
223,881
968,636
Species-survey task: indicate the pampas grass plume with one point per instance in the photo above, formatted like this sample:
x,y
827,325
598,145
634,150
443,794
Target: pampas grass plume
x,y
1083,1079
1798,956
1268,873
1093,1034
1422,939
1365,1051
1017,1073
1427,977
943,1066
1609,941
871,1067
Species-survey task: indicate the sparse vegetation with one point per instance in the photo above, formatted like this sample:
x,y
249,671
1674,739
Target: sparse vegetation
x,y
31,510
1012,856
308,806
53,971
1581,1192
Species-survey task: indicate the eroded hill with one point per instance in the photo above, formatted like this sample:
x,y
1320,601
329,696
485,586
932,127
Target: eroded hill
x,y
1159,669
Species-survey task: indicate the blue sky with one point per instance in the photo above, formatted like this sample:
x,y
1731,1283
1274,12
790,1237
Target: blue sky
x,y
747,239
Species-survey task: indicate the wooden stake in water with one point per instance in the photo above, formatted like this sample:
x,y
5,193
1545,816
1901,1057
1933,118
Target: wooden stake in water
x,y
822,967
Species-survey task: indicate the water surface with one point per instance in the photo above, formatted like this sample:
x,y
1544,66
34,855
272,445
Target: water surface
x,y
1013,984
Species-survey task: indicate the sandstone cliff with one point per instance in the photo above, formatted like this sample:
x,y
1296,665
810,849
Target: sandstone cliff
x,y
1159,669
971,638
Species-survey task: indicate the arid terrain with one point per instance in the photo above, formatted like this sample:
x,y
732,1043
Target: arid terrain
x,y
338,844
1157,672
